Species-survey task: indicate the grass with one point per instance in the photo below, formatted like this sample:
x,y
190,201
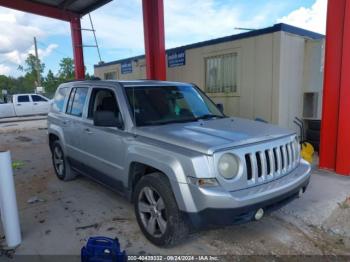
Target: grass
x,y
17,164
345,204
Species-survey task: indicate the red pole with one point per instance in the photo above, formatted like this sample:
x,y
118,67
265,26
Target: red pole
x,y
77,48
331,90
343,147
153,25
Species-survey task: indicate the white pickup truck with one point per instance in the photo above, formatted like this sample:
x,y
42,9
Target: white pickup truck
x,y
24,105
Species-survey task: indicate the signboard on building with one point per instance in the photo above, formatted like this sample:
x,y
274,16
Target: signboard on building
x,y
177,58
126,67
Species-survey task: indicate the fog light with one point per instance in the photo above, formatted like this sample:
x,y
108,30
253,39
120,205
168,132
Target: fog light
x,y
203,182
259,214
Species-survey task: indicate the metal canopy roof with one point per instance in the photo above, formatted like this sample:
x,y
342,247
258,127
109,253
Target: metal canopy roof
x,y
59,9
80,7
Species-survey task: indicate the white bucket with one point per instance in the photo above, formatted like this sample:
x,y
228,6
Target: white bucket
x,y
8,203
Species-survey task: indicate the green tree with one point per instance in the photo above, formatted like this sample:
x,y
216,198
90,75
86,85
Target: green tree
x,y
31,65
66,70
50,82
88,76
29,80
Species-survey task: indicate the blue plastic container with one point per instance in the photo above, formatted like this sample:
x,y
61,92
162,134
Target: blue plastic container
x,y
102,249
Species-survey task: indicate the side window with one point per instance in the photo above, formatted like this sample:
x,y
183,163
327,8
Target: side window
x,y
37,98
103,100
76,101
70,100
58,102
23,99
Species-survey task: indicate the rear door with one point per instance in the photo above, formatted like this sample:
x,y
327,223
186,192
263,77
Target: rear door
x,y
23,105
72,121
40,104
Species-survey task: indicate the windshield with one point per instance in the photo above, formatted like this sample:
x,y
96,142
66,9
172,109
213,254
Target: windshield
x,y
157,105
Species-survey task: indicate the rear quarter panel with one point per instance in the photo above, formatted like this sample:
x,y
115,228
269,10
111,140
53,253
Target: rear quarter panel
x,y
7,110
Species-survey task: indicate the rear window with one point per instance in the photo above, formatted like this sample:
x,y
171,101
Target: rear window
x,y
59,99
77,101
23,99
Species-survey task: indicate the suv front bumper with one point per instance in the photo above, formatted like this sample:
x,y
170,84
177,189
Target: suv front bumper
x,y
218,207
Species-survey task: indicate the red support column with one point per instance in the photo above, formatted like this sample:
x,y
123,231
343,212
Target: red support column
x,y
77,48
343,147
153,24
332,75
335,131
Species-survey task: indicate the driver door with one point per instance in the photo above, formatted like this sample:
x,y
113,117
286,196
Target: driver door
x,y
103,147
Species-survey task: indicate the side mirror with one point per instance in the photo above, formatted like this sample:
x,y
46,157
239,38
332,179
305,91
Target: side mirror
x,y
220,107
106,118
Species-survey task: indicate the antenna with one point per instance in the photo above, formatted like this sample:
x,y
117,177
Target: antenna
x,y
93,31
245,29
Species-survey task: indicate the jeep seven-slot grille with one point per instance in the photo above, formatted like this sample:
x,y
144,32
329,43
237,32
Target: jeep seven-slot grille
x,y
271,162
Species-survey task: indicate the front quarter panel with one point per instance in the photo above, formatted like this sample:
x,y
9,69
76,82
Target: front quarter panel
x,y
176,165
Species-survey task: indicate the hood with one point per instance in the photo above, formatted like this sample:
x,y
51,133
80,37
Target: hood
x,y
208,136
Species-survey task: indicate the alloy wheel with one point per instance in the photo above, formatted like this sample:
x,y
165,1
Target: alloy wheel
x,y
152,211
58,161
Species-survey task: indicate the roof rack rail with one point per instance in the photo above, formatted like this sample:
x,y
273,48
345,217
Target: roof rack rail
x,y
73,80
94,78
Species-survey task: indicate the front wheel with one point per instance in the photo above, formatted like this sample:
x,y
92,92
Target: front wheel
x,y
157,213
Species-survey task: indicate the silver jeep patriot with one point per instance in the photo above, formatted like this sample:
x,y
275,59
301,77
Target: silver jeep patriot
x,y
170,150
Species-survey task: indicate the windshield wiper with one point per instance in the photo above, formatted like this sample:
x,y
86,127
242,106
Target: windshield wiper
x,y
209,116
156,123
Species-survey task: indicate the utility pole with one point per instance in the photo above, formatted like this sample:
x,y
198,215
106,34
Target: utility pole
x,y
37,63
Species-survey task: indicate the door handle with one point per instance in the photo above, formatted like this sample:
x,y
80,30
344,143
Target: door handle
x,y
35,104
87,130
66,122
19,104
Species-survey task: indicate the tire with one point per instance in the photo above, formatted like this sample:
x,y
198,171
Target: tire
x,y
314,125
175,228
312,135
60,164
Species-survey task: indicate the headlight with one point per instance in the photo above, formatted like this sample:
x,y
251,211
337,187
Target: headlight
x,y
228,166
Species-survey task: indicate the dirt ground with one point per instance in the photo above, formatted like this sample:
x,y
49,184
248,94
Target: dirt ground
x,y
68,213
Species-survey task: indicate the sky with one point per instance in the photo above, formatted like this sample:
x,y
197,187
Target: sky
x,y
119,28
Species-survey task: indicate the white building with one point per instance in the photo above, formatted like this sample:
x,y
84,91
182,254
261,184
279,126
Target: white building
x,y
275,73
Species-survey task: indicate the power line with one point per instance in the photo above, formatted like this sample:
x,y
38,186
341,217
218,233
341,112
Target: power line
x,y
54,50
4,61
9,60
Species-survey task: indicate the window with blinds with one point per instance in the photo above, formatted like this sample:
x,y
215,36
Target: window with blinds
x,y
221,73
110,75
